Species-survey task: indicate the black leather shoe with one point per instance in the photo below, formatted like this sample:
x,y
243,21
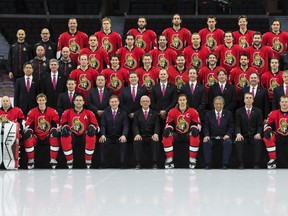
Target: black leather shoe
x,y
256,166
208,166
138,166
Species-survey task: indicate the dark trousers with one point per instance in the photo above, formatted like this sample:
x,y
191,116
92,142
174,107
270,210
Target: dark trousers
x,y
110,147
227,148
146,141
282,151
247,144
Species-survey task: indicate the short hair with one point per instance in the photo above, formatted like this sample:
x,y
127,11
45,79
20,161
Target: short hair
x,y
106,19
93,36
276,20
133,72
196,69
227,32
129,34
244,54
283,97
27,63
176,14
219,98
83,54
53,60
222,70
249,93
145,97
71,79
72,18
146,55
242,17
211,17
274,58
101,75
79,95
114,55
162,35
114,96
254,72
142,17
257,33
41,95
212,53
180,55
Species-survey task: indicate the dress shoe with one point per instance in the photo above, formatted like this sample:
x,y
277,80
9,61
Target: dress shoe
x,y
256,166
138,166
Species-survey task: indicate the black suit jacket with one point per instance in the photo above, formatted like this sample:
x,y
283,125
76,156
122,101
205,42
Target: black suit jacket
x,y
229,95
22,98
226,126
110,127
94,99
247,127
146,127
196,100
277,93
126,101
46,87
63,102
158,102
261,100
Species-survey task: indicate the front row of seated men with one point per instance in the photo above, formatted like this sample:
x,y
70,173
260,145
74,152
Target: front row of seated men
x,y
44,135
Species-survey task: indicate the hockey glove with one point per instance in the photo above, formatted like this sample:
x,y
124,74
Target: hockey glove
x,y
28,134
91,131
167,132
54,132
66,131
194,132
267,134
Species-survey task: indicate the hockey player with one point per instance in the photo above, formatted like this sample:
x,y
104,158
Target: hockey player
x,y
276,142
79,129
243,36
182,122
40,133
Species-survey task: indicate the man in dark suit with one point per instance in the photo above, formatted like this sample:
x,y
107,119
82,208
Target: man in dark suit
x,y
26,90
280,91
65,99
53,84
218,129
195,92
114,129
248,129
224,89
98,97
260,94
146,129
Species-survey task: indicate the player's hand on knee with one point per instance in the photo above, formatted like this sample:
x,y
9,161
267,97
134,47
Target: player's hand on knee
x,y
194,131
167,132
66,131
91,130
54,132
268,134
28,134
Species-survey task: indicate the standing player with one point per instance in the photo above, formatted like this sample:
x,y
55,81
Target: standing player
x,y
40,134
178,37
144,38
78,134
109,40
243,36
211,36
74,39
163,57
182,122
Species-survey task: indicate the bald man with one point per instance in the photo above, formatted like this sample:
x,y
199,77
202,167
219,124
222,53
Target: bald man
x,y
146,129
9,113
19,53
40,64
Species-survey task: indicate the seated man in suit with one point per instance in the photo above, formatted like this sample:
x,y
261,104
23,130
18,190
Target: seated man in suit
x,y
276,142
182,123
41,134
114,129
65,99
218,129
248,129
78,134
146,131
98,97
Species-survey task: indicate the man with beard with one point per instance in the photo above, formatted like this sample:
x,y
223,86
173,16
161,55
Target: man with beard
x,y
144,38
40,64
49,46
163,57
66,64
178,37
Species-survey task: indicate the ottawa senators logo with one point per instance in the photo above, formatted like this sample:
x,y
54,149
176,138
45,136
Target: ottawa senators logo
x,y
43,125
273,84
77,126
243,82
94,63
148,82
107,45
257,60
211,42
277,45
230,59
130,62
162,62
176,43
210,80
4,119
84,83
73,46
243,43
283,126
182,126
115,83
196,61
179,82
139,42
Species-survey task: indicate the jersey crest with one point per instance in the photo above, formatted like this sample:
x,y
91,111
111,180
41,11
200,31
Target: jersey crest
x,y
273,85
196,61
130,61
162,62
182,124
77,126
257,60
94,63
211,42
283,126
148,82
115,83
230,59
107,45
242,82
84,83
43,125
242,42
176,43
179,82
277,45
3,118
139,42
210,80
73,46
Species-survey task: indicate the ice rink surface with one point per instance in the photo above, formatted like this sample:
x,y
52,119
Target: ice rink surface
x,y
144,192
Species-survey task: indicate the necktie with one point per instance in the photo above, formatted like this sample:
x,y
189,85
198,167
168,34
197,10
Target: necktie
x,y
71,97
286,90
192,88
253,91
145,115
222,88
114,115
133,93
218,118
248,114
101,95
163,89
28,84
54,82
